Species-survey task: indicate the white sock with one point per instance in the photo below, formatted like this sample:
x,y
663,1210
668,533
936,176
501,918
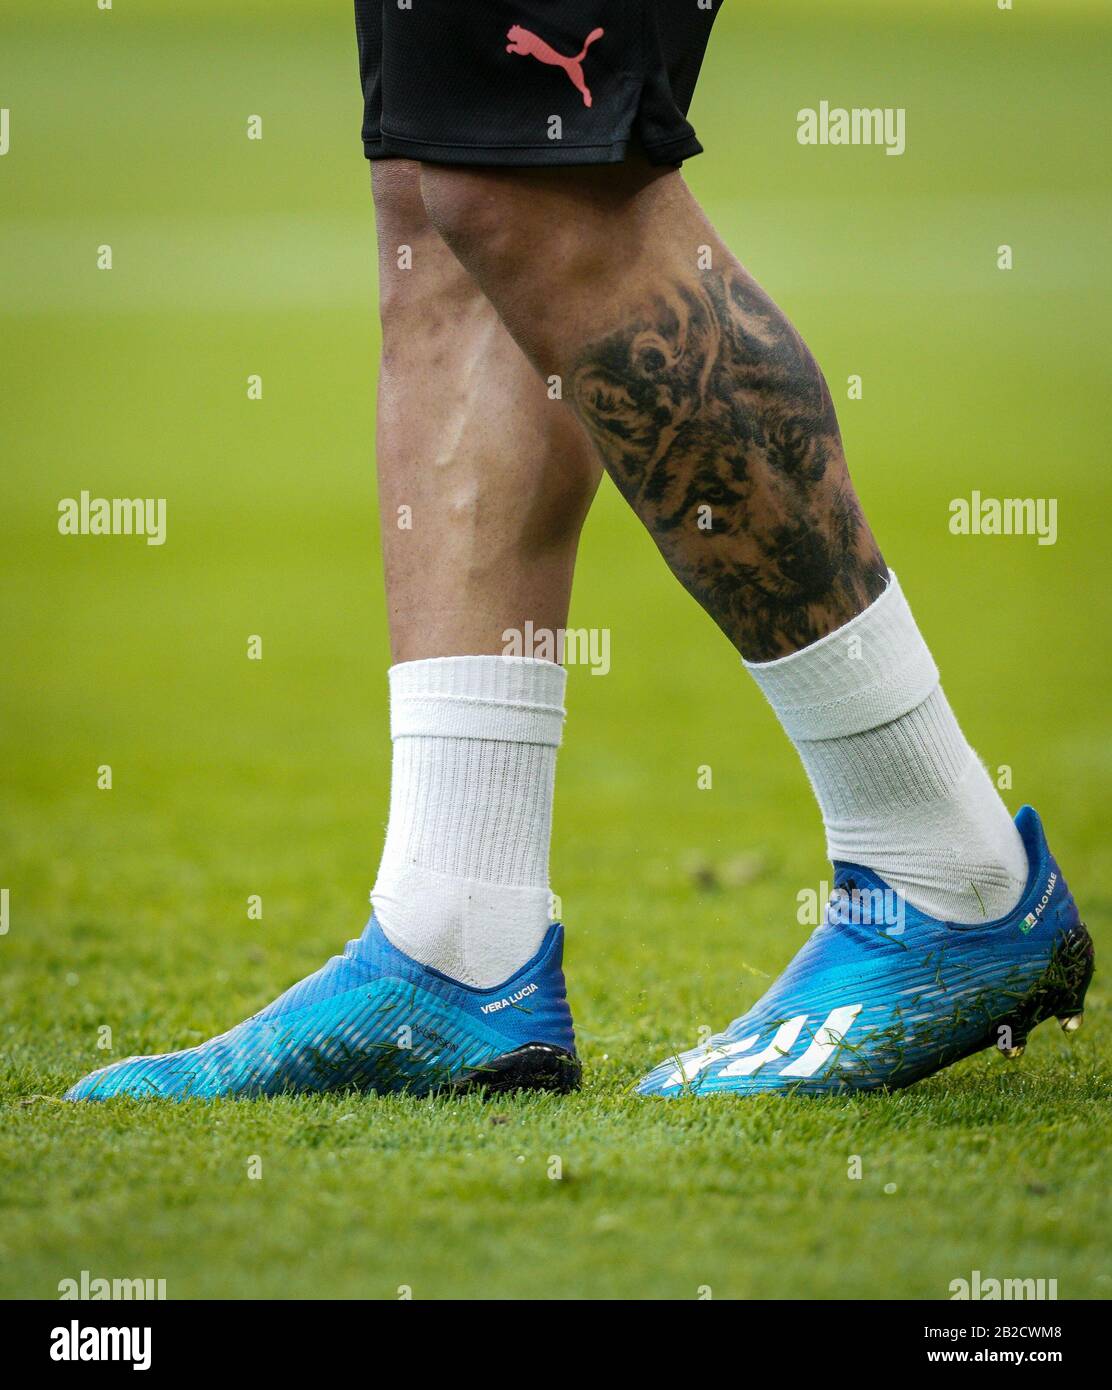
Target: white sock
x,y
463,883
901,791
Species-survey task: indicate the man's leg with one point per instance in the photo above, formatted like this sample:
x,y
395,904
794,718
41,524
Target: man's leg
x,y
484,485
698,392
715,422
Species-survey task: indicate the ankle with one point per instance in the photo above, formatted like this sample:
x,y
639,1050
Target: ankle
x,y
477,933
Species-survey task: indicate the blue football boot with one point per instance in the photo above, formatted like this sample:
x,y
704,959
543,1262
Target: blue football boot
x,y
883,995
375,1020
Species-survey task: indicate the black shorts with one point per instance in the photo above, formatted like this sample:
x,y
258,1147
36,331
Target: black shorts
x,y
528,82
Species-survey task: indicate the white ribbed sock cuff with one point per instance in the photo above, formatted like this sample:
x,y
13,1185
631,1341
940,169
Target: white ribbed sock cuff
x,y
514,699
463,883
920,757
866,673
901,790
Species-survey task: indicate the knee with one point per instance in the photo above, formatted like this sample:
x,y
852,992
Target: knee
x,y
546,215
466,206
419,278
399,219
396,190
524,238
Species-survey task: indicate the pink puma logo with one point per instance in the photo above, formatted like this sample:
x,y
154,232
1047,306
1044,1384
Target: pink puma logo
x,y
524,41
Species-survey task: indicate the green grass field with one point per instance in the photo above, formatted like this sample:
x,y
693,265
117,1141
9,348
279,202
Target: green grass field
x,y
127,907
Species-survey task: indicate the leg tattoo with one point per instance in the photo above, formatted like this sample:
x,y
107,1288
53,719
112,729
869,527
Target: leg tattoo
x,y
715,422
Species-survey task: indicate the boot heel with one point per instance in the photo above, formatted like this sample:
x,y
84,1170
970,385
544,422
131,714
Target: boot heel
x,y
1068,977
1060,994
